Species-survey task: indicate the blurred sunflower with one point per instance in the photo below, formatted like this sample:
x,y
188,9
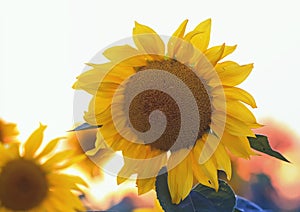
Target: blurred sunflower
x,y
83,141
30,181
8,131
224,121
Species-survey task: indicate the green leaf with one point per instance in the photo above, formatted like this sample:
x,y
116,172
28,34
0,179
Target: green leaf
x,y
163,193
261,144
85,126
222,200
201,198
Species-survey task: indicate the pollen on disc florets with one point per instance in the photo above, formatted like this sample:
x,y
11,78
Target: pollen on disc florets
x,y
146,102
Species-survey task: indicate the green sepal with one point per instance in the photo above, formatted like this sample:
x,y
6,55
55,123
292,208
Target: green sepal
x,y
261,144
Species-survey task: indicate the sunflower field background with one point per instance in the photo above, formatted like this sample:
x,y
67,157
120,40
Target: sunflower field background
x,y
45,44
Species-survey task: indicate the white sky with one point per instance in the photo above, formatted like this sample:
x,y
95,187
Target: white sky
x,y
44,45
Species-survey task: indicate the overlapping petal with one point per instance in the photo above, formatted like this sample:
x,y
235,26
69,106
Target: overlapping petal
x,y
231,73
202,35
147,40
181,184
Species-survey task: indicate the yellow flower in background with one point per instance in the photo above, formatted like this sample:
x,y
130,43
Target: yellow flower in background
x,y
30,180
223,121
8,131
82,141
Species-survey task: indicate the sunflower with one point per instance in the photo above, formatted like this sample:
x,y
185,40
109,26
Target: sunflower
x,y
83,141
171,103
30,181
8,131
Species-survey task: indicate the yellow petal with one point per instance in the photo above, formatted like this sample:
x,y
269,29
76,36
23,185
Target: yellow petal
x,y
14,148
146,40
99,144
156,162
121,180
97,114
56,202
235,93
38,208
92,152
126,55
99,111
120,73
71,161
201,39
239,146
34,141
239,111
174,42
231,73
218,121
145,185
223,160
237,127
113,138
202,66
91,80
65,181
91,88
199,174
47,203
209,168
181,29
136,151
215,54
129,168
157,206
184,52
190,35
107,89
119,53
227,50
57,158
50,147
180,178
103,97
8,130
95,74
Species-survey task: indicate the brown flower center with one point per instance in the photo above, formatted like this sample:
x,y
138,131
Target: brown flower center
x,y
147,101
23,185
